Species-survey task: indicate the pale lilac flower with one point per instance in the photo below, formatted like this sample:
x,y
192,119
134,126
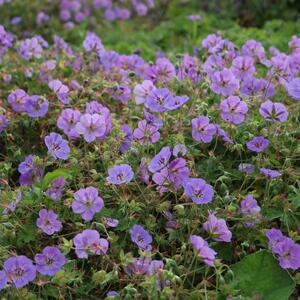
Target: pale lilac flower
x,y
141,237
270,173
57,146
60,90
179,150
19,270
87,203
67,122
18,100
126,141
110,222
141,91
289,254
160,160
27,165
178,172
233,110
198,190
3,123
91,126
243,67
251,211
176,102
273,111
146,132
157,99
50,261
143,171
258,144
120,174
48,221
92,43
224,83
36,106
140,266
203,250
247,168
89,242
3,279
56,188
217,228
202,130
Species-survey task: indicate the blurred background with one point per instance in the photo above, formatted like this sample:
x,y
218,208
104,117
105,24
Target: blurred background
x,y
154,25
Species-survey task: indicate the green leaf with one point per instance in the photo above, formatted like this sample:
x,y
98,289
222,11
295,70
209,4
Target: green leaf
x,y
260,277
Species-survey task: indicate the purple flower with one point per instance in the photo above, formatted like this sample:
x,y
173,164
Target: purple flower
x,y
36,107
247,168
162,179
173,103
143,171
50,261
217,228
293,88
56,188
146,132
160,160
274,237
194,18
198,190
250,209
87,203
162,71
140,266
89,242
67,122
3,123
179,150
141,91
3,279
120,174
243,67
157,99
202,130
57,146
42,18
91,126
178,172
31,48
289,254
141,237
92,43
27,165
19,270
254,49
18,100
233,110
224,83
48,221
223,134
110,222
203,250
60,90
270,173
126,141
273,111
258,144
94,107
153,119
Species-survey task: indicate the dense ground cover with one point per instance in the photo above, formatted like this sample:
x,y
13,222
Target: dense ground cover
x,y
155,157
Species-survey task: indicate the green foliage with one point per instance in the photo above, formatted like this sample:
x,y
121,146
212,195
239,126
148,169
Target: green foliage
x,y
258,276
